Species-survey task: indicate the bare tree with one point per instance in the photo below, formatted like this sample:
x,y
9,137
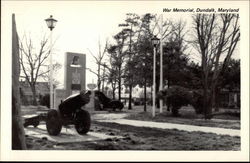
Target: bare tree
x,y
216,35
204,25
46,77
228,39
33,61
98,60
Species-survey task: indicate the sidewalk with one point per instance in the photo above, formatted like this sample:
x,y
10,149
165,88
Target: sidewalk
x,y
161,125
67,135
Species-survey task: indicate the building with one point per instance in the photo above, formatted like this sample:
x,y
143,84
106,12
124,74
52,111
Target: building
x,y
42,88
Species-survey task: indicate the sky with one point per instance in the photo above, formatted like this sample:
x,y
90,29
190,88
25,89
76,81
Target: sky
x,y
81,24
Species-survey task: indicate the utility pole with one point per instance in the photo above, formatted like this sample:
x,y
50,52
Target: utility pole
x,y
161,66
103,77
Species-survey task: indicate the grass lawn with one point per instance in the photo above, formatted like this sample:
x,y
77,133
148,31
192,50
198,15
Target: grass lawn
x,y
225,118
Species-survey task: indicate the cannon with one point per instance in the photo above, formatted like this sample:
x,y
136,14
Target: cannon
x,y
69,112
107,102
35,120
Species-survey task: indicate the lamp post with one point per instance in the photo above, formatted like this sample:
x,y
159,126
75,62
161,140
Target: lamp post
x,y
51,23
161,62
145,85
155,42
103,78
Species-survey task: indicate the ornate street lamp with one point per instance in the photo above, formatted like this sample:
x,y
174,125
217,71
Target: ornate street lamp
x,y
155,42
51,23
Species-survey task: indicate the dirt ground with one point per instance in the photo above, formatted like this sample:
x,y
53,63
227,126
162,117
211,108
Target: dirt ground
x,y
144,138
141,138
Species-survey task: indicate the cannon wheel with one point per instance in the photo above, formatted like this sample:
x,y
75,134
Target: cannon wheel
x,y
36,124
82,122
53,122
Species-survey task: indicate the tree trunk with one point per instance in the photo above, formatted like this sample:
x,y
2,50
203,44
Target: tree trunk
x,y
113,90
113,94
130,97
99,80
207,106
157,90
168,99
18,139
145,94
151,103
214,86
217,99
205,100
215,95
103,89
119,84
33,89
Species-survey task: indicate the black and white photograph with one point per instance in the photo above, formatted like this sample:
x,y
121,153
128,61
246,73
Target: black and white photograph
x,y
124,80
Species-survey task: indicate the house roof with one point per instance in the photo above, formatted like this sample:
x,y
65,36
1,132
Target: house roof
x,y
41,88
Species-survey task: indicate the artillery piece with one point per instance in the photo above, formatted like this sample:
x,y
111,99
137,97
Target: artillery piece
x,y
69,112
107,102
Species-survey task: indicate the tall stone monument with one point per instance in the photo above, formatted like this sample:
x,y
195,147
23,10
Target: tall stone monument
x,y
74,76
75,73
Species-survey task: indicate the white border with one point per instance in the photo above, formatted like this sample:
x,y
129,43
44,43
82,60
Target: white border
x,y
140,6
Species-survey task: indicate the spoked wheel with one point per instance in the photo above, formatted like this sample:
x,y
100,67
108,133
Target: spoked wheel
x,y
53,122
36,124
82,122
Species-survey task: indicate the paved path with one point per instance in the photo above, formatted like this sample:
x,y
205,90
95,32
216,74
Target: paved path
x,y
190,128
108,116
68,135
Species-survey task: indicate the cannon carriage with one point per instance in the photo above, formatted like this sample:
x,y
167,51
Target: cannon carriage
x,y
70,112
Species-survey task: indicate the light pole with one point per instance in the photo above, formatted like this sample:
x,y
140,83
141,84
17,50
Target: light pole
x,y
103,78
155,42
51,23
161,62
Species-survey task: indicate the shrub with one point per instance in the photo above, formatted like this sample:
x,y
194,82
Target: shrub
x,y
180,96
